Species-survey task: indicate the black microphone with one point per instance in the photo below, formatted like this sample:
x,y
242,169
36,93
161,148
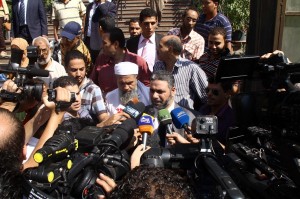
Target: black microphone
x,y
134,110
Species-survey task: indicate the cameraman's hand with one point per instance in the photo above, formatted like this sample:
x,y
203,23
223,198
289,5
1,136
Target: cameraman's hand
x,y
117,118
106,183
191,139
10,86
62,95
175,138
135,158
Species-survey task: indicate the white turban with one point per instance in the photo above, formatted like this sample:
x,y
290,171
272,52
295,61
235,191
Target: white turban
x,y
126,68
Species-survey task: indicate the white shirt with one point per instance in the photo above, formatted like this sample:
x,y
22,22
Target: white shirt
x,y
92,11
151,57
113,99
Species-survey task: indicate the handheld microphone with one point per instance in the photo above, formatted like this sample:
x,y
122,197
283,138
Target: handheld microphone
x,y
146,127
164,117
180,119
134,110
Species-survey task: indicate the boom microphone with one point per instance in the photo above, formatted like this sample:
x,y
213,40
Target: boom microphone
x,y
146,127
164,117
180,119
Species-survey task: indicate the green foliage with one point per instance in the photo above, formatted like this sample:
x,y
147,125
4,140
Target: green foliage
x,y
238,12
48,4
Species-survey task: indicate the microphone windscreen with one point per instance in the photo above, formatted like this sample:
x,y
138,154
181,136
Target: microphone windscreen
x,y
135,100
179,117
134,110
164,117
146,124
123,134
149,111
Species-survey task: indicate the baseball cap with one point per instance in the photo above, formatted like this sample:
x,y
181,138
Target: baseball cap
x,y
71,30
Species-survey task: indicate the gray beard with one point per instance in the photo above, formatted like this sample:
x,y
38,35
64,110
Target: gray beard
x,y
126,97
164,105
44,61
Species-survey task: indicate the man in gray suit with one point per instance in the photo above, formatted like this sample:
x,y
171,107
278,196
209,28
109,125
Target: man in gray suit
x,y
162,93
29,19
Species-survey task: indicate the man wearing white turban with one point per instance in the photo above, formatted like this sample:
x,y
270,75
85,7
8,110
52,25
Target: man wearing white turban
x,y
129,88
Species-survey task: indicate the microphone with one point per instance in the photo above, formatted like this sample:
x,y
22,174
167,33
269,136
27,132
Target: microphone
x,y
164,117
134,110
146,127
180,119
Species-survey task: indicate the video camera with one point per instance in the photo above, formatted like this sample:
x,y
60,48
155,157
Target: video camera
x,y
69,164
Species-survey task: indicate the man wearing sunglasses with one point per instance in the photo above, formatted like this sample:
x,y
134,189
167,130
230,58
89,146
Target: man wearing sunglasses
x,y
218,94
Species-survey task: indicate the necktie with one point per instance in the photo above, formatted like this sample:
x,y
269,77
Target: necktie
x,y
144,51
22,13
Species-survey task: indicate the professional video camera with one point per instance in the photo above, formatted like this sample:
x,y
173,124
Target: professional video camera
x,y
70,164
213,181
23,77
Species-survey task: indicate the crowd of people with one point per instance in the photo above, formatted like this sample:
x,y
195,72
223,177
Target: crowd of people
x,y
103,72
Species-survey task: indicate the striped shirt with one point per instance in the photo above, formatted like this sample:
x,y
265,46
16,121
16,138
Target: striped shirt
x,y
91,98
192,44
190,81
73,10
204,27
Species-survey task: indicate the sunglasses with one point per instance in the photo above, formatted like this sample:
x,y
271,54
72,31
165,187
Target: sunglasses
x,y
213,91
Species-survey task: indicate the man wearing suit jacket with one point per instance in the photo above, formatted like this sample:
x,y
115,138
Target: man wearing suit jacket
x,y
28,19
147,43
162,93
94,12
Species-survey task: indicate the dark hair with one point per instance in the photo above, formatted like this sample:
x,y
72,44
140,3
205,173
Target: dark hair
x,y
107,23
163,75
226,85
147,12
218,31
134,20
65,81
148,183
74,54
188,9
116,34
11,147
175,43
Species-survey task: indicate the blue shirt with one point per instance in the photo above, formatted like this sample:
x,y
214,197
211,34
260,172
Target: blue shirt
x,y
204,27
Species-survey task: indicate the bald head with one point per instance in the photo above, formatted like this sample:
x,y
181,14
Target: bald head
x,y
173,42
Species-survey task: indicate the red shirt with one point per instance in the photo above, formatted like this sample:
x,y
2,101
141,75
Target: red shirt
x,y
104,76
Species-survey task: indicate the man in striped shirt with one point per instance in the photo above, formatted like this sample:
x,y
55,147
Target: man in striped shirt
x,y
64,11
192,42
212,18
190,79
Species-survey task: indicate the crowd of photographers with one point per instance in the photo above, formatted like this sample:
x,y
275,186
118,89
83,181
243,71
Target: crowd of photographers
x,y
110,116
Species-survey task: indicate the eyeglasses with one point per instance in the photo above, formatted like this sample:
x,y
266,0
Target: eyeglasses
x,y
213,91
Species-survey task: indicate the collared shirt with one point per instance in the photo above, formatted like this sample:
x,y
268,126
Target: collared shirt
x,y
81,47
25,4
190,80
91,98
204,27
73,10
92,11
104,76
193,44
151,57
113,98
